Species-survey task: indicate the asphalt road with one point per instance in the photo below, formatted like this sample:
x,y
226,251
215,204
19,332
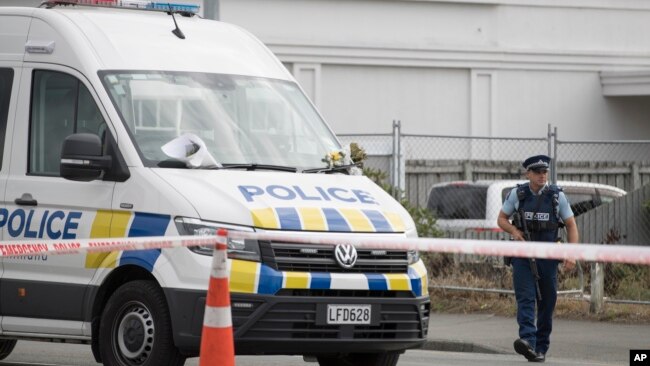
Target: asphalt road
x,y
54,354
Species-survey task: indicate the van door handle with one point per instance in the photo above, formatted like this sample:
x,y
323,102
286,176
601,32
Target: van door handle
x,y
26,200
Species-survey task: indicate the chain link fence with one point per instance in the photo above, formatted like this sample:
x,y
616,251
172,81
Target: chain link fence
x,y
379,148
464,181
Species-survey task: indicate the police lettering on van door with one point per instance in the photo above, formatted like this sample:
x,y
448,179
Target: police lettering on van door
x,y
40,224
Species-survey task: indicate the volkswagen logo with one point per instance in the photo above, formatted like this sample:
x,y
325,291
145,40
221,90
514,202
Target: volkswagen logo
x,y
346,255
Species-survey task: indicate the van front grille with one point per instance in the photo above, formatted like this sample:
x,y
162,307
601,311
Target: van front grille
x,y
298,257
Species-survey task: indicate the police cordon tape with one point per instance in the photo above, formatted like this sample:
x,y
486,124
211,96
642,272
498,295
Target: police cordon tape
x,y
630,254
217,342
78,246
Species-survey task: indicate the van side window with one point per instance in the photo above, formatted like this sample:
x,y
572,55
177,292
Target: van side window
x,y
607,196
6,79
458,201
61,106
581,199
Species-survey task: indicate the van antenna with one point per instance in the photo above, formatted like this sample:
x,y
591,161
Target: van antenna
x,y
177,31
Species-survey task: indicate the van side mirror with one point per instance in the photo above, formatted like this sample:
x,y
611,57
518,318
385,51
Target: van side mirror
x,y
82,158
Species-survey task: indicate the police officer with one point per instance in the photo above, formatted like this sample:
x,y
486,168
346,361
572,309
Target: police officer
x,y
546,209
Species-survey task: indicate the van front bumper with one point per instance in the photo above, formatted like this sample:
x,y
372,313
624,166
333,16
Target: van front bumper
x,y
292,322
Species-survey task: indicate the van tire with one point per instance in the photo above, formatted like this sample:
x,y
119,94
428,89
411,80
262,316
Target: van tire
x,y
360,359
6,346
135,328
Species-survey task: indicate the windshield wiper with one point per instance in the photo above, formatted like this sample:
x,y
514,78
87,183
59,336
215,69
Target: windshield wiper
x,y
259,167
334,169
173,163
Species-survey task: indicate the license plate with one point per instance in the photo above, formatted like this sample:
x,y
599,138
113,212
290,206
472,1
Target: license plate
x,y
348,314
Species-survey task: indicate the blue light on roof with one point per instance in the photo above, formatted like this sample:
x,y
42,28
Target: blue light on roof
x,y
132,4
176,7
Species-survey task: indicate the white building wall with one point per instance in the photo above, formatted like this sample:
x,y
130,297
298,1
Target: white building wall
x,y
366,99
461,67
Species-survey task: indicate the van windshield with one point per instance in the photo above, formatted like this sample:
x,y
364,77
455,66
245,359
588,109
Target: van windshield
x,y
458,202
242,120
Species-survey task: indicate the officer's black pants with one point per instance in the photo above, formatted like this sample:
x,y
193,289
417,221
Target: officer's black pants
x,y
537,335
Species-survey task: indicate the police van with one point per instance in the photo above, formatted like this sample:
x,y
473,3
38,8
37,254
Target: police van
x,y
135,118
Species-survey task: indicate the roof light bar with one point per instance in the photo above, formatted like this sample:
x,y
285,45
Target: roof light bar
x,y
131,4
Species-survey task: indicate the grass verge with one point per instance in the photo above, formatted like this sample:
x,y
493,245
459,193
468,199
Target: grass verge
x,y
465,302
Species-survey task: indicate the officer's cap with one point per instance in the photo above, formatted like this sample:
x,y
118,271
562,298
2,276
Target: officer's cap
x,y
537,162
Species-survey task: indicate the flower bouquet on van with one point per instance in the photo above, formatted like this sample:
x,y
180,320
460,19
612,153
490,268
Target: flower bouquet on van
x,y
343,158
334,158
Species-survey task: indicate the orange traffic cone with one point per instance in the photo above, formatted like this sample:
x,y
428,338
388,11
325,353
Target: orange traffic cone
x,y
217,344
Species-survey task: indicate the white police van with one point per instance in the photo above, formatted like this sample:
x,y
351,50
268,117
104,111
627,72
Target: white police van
x,y
117,123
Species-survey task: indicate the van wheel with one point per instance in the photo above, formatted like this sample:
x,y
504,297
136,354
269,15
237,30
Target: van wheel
x,y
6,346
135,328
360,359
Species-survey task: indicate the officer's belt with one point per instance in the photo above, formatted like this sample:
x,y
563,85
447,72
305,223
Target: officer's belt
x,y
536,226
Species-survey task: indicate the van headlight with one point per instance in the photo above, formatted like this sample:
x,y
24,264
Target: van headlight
x,y
413,256
247,249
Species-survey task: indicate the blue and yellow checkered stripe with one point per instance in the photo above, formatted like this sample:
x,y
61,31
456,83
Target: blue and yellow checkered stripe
x,y
257,278
254,277
120,224
327,219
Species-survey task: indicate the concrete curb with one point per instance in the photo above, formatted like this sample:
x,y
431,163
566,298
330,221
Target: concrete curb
x,y
460,346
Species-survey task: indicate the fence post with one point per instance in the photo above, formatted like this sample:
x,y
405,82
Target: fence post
x,y
468,170
555,143
636,176
393,174
549,140
551,137
398,177
597,288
